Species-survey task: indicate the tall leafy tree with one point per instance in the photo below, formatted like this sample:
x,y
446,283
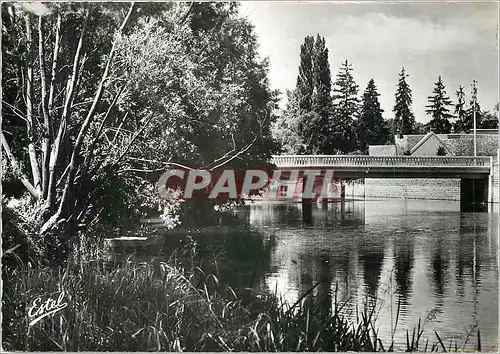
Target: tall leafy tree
x,y
306,79
314,124
345,110
438,109
108,93
460,109
313,94
371,128
322,78
402,108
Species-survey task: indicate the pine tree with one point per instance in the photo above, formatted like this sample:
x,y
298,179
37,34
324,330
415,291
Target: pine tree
x,y
460,110
305,80
371,126
402,109
438,109
345,110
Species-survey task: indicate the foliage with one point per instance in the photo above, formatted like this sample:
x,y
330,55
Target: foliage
x,y
313,95
101,96
441,151
438,109
489,120
371,129
155,306
306,78
402,108
286,127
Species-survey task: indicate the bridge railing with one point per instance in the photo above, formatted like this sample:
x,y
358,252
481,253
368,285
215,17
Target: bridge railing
x,y
379,161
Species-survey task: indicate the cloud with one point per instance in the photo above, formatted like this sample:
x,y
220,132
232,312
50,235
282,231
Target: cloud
x,y
456,41
378,33
36,8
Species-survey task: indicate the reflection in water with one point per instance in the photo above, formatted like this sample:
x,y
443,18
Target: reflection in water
x,y
440,264
403,255
436,261
372,259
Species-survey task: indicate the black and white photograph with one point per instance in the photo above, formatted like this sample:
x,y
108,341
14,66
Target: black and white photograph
x,y
250,176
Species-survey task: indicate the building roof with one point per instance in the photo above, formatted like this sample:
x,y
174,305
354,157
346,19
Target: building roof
x,y
427,137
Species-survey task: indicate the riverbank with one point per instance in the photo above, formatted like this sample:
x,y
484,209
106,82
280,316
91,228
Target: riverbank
x,y
156,306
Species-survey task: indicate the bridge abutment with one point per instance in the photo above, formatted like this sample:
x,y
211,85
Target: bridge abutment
x,y
474,194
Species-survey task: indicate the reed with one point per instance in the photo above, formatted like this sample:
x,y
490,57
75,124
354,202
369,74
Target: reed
x,y
156,306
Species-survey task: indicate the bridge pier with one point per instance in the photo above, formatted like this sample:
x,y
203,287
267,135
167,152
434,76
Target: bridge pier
x,y
474,194
307,201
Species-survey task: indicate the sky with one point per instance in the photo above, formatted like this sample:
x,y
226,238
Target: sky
x,y
458,41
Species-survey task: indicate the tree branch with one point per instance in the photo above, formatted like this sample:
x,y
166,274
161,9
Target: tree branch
x,y
90,116
30,123
133,140
54,63
54,153
47,131
245,149
19,173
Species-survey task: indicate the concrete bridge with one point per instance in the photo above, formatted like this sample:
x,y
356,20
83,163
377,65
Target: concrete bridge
x,y
475,173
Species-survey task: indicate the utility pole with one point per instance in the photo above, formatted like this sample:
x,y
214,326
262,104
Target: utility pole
x,y
474,93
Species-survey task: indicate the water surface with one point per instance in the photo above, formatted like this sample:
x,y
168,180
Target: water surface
x,y
439,264
435,263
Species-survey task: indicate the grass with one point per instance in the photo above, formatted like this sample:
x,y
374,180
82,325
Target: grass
x,y
158,307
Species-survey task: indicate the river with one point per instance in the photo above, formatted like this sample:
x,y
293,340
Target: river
x,y
436,263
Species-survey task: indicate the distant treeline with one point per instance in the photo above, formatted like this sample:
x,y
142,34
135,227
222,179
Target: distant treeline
x,y
324,118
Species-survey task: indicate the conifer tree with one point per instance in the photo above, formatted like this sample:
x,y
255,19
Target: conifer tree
x,y
473,106
438,109
402,109
460,109
345,110
371,126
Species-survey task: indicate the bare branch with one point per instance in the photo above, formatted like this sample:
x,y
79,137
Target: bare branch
x,y
54,153
30,126
225,155
167,163
47,131
186,15
119,128
133,140
15,110
18,172
90,115
54,62
245,149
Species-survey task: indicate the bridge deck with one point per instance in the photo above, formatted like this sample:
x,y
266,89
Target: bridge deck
x,y
359,166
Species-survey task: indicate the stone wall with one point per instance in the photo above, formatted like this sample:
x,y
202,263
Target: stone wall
x,y
355,189
422,188
496,188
